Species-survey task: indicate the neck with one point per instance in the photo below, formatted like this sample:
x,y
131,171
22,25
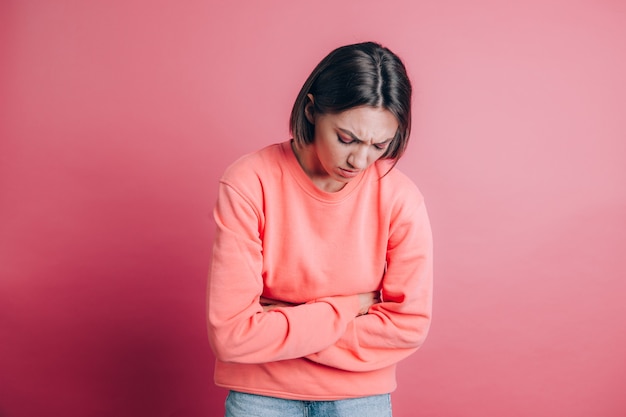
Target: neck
x,y
321,181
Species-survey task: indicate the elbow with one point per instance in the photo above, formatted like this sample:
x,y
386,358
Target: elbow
x,y
221,339
415,336
233,343
419,338
220,349
223,345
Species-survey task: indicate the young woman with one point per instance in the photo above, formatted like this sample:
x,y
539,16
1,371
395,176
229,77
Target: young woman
x,y
321,277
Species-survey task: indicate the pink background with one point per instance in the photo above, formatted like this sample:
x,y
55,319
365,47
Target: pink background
x,y
117,117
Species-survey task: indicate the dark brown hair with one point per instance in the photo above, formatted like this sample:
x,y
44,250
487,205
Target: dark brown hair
x,y
362,74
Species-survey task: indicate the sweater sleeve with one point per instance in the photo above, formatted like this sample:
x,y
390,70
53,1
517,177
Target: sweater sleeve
x,y
239,329
396,327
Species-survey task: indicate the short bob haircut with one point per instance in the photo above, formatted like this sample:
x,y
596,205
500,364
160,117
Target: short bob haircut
x,y
362,74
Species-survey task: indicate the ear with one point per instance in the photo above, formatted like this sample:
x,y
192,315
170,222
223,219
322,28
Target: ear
x,y
309,109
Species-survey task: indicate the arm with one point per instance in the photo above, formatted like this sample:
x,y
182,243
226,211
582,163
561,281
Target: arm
x,y
366,300
396,327
239,328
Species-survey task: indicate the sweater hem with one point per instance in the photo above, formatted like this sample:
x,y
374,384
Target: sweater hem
x,y
298,396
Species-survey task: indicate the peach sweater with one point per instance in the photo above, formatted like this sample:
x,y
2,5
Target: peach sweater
x,y
279,236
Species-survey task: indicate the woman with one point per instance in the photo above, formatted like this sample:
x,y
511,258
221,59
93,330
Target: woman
x,y
321,277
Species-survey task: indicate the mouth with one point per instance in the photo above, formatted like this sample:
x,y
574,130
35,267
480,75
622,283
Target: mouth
x,y
348,173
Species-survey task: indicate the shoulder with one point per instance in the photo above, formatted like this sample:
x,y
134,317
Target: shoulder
x,y
253,172
396,186
407,208
253,165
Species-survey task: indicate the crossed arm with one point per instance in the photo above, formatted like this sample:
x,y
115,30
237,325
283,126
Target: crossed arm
x,y
366,300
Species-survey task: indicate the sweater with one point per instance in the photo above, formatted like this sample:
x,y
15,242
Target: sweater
x,y
281,237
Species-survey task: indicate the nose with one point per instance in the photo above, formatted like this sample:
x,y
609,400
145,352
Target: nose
x,y
358,158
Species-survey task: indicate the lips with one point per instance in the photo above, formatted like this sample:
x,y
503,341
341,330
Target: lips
x,y
347,173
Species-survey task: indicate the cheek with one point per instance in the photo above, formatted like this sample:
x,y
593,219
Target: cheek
x,y
333,153
332,158
325,156
374,156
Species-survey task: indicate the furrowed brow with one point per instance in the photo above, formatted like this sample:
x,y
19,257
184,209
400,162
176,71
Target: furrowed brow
x,y
355,137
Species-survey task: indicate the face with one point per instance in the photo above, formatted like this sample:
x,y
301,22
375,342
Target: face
x,y
347,143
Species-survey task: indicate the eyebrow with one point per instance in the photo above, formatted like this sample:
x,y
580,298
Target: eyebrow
x,y
355,137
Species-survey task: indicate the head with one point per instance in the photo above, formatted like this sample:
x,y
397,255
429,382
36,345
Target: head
x,y
359,75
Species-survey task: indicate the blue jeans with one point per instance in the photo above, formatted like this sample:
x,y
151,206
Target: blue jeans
x,y
239,404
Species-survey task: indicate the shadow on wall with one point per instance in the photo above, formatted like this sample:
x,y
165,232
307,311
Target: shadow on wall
x,y
110,361
146,373
141,376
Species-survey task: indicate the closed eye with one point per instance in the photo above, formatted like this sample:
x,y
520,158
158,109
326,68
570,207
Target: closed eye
x,y
381,146
345,141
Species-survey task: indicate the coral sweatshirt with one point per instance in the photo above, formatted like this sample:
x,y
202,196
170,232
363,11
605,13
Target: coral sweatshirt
x,y
281,237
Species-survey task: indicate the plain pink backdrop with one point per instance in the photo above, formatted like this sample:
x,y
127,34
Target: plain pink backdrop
x,y
117,118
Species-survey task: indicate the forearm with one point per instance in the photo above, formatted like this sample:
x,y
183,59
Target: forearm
x,y
256,334
374,341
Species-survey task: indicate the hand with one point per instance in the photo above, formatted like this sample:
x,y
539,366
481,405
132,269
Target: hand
x,y
367,300
268,304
